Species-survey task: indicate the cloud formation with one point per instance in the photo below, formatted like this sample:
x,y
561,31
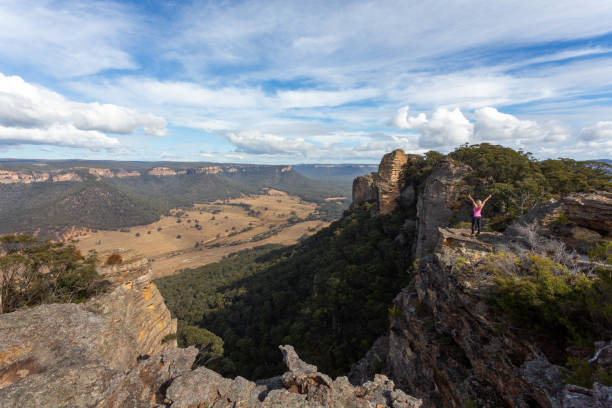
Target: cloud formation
x,y
450,128
444,128
493,125
66,38
599,131
255,142
32,114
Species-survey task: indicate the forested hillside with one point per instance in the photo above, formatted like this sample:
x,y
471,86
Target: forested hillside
x,y
328,296
110,203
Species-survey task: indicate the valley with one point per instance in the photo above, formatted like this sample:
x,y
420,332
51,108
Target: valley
x,y
205,233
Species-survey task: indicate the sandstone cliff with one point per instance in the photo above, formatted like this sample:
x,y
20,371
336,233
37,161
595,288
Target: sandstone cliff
x,y
112,352
384,187
445,343
92,354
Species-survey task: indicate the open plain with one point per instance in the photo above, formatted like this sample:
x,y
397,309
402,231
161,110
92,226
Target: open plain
x,y
205,233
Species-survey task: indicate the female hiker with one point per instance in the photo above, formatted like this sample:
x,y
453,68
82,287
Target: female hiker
x,y
477,217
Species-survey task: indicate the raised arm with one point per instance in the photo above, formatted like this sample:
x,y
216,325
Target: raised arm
x,y
485,200
472,200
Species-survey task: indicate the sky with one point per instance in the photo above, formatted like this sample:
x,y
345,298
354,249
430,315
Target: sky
x,y
285,82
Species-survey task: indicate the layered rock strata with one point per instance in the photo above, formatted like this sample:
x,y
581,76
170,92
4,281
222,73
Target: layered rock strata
x,y
113,351
384,187
106,352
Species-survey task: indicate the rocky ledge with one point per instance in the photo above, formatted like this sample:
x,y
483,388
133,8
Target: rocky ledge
x,y
114,351
301,386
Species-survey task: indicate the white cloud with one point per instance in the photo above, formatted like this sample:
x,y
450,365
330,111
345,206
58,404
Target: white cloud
x,y
492,125
29,112
57,134
450,128
67,38
314,98
601,131
255,142
444,128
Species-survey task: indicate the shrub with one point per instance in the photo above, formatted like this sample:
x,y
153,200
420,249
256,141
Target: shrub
x,y
542,297
114,259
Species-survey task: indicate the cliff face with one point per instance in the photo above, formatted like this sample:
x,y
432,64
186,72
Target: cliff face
x,y
109,352
106,352
384,187
435,205
445,343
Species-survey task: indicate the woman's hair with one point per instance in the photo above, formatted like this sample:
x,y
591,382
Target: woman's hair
x,y
478,203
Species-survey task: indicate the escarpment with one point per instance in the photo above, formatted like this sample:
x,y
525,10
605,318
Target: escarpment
x,y
447,344
118,350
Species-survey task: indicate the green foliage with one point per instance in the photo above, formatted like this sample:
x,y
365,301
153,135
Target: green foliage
x,y
543,298
582,373
328,297
169,337
561,219
518,182
602,252
418,168
34,272
209,345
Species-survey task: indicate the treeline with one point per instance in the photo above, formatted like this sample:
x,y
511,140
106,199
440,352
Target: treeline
x,y
33,272
516,180
328,297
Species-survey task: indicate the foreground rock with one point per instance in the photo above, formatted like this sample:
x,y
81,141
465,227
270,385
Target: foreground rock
x,y
302,386
106,352
447,346
111,352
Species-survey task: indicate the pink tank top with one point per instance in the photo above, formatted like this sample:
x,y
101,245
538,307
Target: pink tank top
x,y
477,212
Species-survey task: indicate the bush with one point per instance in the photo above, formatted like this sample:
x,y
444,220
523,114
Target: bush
x,y
114,259
34,272
210,346
542,297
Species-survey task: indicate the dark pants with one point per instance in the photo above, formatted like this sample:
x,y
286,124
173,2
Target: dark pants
x,y
476,222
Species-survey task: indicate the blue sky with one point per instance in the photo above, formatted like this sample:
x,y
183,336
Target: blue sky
x,y
299,82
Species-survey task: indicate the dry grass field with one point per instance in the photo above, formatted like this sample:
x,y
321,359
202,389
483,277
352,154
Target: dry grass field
x,y
189,238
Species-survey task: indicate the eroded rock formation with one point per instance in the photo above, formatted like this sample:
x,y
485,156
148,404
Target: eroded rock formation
x,y
112,352
301,386
384,187
435,206
106,352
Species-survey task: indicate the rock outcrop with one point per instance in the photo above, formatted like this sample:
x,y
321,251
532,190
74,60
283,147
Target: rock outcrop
x,y
302,386
590,210
384,187
113,351
447,345
436,206
106,352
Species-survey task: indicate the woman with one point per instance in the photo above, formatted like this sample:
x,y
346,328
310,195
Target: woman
x,y
477,217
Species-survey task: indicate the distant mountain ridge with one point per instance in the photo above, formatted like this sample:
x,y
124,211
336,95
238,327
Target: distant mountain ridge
x,y
335,172
44,197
